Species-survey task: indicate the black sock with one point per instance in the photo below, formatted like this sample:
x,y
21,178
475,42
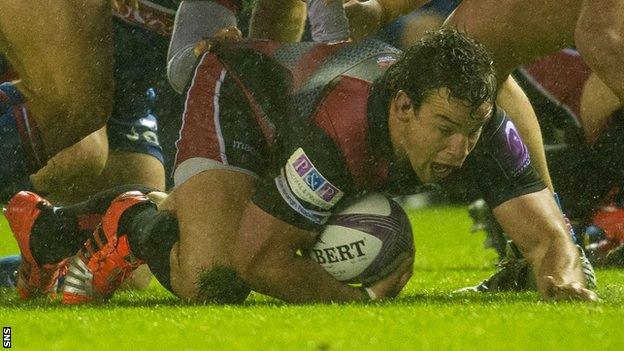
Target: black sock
x,y
59,232
54,236
152,234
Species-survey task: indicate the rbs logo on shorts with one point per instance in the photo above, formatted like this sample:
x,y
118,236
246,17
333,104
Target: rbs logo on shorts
x,y
308,183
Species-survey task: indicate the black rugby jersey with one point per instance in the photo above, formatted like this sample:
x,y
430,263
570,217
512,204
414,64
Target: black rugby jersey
x,y
323,111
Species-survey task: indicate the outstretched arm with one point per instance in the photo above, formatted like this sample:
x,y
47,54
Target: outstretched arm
x,y
535,224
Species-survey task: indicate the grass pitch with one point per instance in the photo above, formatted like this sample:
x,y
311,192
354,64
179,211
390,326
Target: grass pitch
x,y
425,317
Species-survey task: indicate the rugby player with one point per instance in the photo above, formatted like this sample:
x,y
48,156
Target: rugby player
x,y
141,31
261,168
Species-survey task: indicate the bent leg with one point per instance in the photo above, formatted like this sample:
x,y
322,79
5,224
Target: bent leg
x,y
69,173
599,38
62,52
209,208
517,31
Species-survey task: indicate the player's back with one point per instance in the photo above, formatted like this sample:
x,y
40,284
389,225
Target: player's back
x,y
291,81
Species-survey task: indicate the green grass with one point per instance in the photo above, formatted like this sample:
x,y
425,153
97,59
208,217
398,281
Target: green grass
x,y
425,317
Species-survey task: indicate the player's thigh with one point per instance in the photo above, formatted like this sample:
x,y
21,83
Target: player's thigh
x,y
600,20
517,31
221,152
209,208
62,52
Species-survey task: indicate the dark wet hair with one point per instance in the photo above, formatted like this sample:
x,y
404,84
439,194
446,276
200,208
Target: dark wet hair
x,y
444,58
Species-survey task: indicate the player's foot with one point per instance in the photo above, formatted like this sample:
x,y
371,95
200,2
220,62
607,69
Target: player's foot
x,y
513,274
105,261
33,279
8,271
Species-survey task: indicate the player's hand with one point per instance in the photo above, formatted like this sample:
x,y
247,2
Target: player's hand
x,y
567,291
224,36
392,285
365,17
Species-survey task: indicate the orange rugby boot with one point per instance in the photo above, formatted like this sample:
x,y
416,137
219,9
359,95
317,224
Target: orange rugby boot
x,y
33,279
105,261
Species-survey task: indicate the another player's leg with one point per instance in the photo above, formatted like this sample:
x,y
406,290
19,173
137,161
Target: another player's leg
x,y
66,73
65,81
599,37
497,25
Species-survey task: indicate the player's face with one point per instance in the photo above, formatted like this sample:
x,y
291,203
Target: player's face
x,y
440,134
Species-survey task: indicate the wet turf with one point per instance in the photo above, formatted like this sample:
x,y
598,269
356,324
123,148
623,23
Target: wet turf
x,y
425,317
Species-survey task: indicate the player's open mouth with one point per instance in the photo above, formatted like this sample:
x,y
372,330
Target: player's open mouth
x,y
441,170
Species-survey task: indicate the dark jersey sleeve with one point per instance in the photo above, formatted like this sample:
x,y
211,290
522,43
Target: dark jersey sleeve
x,y
310,182
500,166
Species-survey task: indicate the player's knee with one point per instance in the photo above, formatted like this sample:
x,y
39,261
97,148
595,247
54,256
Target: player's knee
x,y
221,284
214,284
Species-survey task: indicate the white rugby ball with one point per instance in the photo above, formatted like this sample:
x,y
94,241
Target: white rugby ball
x,y
360,243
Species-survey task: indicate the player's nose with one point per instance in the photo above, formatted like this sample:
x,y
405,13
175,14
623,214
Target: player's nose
x,y
458,148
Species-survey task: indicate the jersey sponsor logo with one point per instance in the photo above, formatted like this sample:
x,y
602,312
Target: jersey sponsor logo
x,y
519,158
284,190
308,183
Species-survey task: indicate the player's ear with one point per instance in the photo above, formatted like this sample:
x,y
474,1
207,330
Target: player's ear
x,y
404,108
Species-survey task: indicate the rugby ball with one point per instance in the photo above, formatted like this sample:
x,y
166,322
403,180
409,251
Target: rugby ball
x,y
360,243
